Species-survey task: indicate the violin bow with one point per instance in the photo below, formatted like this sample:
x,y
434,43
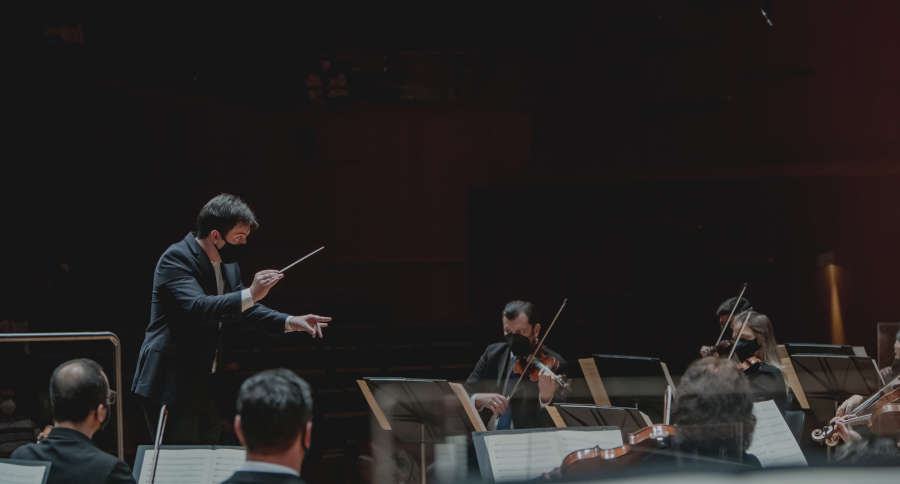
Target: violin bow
x,y
537,348
733,309
743,326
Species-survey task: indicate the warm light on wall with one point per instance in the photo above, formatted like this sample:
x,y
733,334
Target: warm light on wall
x,y
837,322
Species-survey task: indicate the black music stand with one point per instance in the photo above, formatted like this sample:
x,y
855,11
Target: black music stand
x,y
828,380
574,415
628,381
820,349
422,411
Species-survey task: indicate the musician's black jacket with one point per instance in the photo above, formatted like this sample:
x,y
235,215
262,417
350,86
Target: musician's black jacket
x,y
489,377
244,477
767,383
181,339
75,459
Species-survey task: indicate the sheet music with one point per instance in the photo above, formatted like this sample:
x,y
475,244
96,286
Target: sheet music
x,y
21,474
525,455
178,466
773,443
227,461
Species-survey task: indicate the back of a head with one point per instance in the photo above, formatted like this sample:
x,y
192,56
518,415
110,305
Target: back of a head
x,y
728,305
76,388
274,406
222,213
714,409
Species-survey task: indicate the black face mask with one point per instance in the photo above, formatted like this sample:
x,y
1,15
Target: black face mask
x,y
519,344
744,348
895,368
231,252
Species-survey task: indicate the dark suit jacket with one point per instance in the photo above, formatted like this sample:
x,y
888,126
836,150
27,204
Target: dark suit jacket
x,y
489,376
244,477
767,383
181,339
75,459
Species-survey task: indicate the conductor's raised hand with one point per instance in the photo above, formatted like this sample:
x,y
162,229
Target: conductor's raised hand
x,y
262,282
310,323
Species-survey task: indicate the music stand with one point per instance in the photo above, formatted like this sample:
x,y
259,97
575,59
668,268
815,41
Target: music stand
x,y
828,380
422,411
628,381
824,349
574,415
157,441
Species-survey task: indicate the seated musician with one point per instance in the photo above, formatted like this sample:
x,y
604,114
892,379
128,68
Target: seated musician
x,y
80,399
494,376
722,312
888,373
767,382
274,423
871,449
713,416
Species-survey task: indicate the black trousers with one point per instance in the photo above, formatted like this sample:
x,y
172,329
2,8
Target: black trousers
x,y
193,420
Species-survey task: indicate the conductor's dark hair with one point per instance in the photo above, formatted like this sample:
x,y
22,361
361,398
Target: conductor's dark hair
x,y
714,409
222,212
728,304
76,388
514,308
275,406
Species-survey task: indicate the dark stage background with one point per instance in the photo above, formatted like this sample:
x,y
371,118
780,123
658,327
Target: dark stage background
x,y
640,158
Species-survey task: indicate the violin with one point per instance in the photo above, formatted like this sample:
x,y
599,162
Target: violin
x,y
750,364
542,361
592,460
879,412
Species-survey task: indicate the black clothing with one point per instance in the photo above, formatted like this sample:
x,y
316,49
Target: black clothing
x,y
75,459
767,383
244,477
185,311
672,459
492,375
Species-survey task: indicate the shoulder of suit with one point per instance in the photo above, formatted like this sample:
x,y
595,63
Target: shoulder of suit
x,y
495,348
24,452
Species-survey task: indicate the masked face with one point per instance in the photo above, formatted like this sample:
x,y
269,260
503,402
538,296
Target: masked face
x,y
232,252
745,348
520,345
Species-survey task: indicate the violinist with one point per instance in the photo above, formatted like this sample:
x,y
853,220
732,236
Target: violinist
x,y
729,307
756,356
494,376
888,373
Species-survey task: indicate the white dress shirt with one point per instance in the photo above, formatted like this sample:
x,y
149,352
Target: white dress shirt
x,y
260,466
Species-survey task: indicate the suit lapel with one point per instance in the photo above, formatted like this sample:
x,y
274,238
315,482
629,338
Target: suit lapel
x,y
207,276
501,374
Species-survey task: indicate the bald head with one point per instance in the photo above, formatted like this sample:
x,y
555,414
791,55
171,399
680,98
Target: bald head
x,y
77,387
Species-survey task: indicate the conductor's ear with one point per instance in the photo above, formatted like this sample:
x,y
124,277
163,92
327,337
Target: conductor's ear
x,y
307,436
238,430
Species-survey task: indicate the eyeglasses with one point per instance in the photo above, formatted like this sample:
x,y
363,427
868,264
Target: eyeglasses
x,y
111,398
